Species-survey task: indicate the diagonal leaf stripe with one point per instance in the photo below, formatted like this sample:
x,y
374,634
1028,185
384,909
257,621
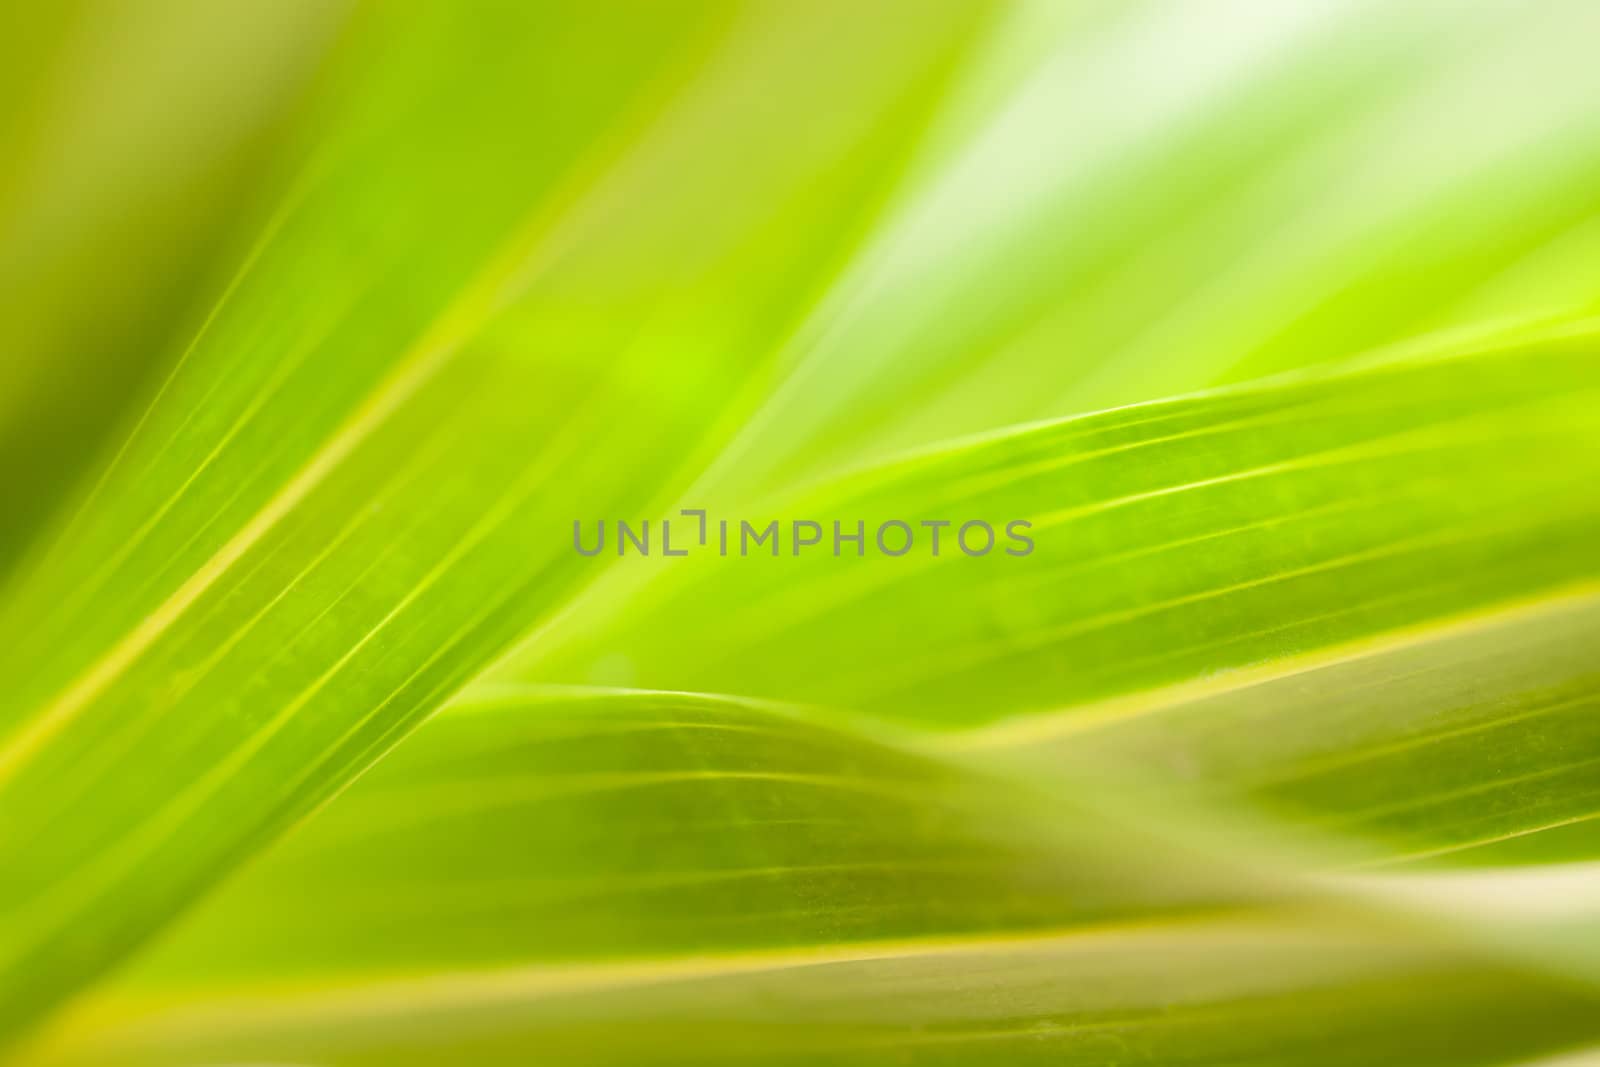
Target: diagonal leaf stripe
x,y
351,492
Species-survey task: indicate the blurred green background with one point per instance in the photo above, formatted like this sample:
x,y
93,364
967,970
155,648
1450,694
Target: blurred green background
x,y
322,323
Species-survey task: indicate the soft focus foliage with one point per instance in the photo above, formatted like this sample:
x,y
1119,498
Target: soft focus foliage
x,y
320,743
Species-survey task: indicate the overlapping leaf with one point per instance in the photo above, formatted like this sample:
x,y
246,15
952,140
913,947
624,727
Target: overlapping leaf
x,y
351,490
639,878
520,841
1473,742
1172,542
518,266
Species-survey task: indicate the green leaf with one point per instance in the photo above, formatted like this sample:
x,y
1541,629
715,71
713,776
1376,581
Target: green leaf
x,y
660,878
1473,742
354,487
558,827
1135,200
1172,542
1171,787
1225,993
116,203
